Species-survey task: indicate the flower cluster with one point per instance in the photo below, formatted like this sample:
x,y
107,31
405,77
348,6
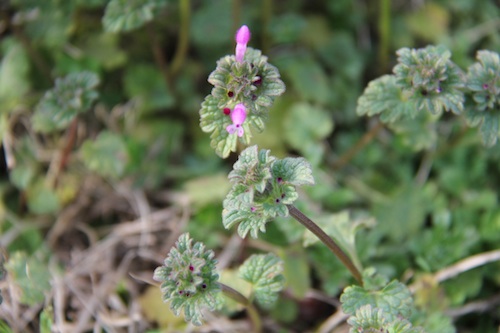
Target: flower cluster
x,y
245,86
189,280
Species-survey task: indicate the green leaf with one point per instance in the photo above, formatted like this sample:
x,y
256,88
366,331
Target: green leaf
x,y
383,96
106,155
126,15
394,300
213,119
46,320
305,127
71,95
42,199
30,275
14,69
306,76
264,272
296,171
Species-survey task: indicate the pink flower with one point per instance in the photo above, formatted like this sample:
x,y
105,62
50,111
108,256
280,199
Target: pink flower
x,y
238,116
242,38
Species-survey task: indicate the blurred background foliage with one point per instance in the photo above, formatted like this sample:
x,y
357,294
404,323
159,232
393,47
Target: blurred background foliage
x,y
120,84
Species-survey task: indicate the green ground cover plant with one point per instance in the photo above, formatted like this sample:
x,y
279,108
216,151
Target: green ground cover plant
x,y
159,154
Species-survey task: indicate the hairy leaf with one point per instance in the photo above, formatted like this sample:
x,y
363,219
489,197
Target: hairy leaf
x,y
264,272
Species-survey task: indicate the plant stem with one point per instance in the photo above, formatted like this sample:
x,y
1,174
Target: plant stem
x,y
384,30
183,41
238,297
327,240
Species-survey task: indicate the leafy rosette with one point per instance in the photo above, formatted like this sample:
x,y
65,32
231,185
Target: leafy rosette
x,y
71,95
263,186
189,279
483,81
430,80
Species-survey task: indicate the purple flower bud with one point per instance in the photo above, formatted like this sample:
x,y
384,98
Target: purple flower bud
x,y
242,38
238,116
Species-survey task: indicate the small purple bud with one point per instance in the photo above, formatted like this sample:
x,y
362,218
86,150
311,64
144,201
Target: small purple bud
x,y
230,94
226,111
238,116
486,86
277,200
204,286
242,38
253,209
191,268
257,82
280,180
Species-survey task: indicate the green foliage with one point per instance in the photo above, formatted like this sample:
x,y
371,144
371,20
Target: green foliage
x,y
262,187
483,80
394,300
430,79
264,273
305,126
373,320
188,279
30,275
106,155
42,199
138,72
14,69
126,15
254,82
71,95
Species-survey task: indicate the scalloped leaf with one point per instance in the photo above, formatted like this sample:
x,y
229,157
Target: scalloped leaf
x,y
369,319
383,96
71,95
249,221
126,15
264,272
293,170
106,155
394,299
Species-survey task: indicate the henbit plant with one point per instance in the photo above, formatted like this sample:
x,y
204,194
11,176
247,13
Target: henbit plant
x,y
264,187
